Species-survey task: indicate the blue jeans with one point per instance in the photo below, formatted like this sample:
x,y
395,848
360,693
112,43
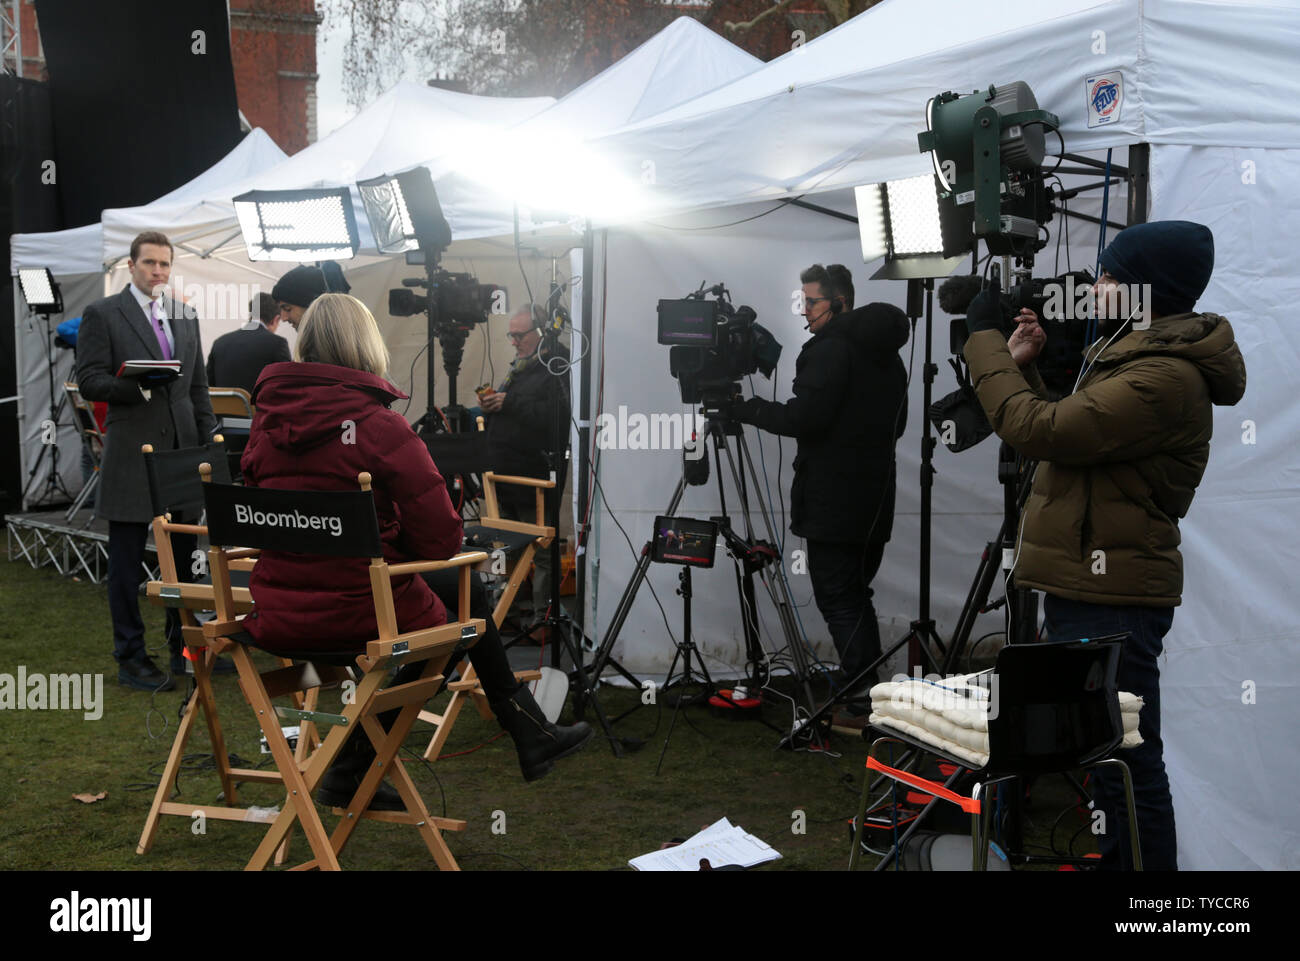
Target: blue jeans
x,y
1139,673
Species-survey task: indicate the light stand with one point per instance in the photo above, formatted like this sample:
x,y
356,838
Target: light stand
x,y
558,623
43,297
686,651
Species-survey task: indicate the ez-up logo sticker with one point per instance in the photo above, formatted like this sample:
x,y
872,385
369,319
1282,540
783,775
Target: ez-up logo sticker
x,y
1105,96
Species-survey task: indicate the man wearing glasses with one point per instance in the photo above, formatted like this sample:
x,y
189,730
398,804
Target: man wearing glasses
x,y
848,410
522,427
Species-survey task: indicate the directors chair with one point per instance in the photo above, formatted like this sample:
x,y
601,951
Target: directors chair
x,y
1049,708
511,546
243,521
175,491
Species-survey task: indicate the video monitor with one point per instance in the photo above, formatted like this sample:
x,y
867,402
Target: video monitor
x,y
684,540
688,323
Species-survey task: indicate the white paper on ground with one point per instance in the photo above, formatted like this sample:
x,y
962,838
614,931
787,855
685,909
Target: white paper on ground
x,y
721,843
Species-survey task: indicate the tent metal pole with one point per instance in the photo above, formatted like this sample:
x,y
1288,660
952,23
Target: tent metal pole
x,y
1093,220
1095,164
584,432
838,214
221,243
1139,170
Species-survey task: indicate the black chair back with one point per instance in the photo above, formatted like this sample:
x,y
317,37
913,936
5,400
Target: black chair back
x,y
1056,706
174,483
458,454
334,523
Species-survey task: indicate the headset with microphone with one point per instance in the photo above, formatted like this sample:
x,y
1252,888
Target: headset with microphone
x,y
837,307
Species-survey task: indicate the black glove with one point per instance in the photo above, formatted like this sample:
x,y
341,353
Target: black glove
x,y
744,411
984,312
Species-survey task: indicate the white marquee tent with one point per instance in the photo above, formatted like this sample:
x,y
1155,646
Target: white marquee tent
x,y
1211,87
1208,84
407,126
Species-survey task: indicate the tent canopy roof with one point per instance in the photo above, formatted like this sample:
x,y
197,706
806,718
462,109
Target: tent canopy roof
x,y
845,108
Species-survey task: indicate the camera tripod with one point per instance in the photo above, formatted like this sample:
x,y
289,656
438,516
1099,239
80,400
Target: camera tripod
x,y
54,484
754,557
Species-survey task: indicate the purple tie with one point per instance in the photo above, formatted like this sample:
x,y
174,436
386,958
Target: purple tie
x,y
156,312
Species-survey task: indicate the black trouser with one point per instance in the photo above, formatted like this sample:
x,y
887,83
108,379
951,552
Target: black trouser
x,y
1139,673
488,656
841,576
126,551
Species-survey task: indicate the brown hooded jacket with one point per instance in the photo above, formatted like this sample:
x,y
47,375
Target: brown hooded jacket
x,y
1120,458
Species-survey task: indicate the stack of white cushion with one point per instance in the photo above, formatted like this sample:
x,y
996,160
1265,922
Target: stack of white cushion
x,y
952,714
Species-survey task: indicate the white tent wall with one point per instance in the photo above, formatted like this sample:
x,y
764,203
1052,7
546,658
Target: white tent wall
x,y
34,350
1229,681
759,260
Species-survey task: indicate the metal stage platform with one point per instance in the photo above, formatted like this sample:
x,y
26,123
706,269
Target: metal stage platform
x,y
76,547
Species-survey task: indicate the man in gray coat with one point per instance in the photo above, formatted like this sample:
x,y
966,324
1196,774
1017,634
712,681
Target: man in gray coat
x,y
141,323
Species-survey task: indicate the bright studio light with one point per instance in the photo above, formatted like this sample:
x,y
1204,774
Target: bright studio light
x,y
573,181
298,225
40,290
899,218
404,212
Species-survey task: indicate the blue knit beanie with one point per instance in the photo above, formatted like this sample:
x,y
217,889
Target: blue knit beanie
x,y
1176,257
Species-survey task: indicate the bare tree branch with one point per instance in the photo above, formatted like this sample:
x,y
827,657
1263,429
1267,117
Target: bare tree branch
x,y
733,27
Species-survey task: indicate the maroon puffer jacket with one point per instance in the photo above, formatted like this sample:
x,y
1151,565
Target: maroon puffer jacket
x,y
317,427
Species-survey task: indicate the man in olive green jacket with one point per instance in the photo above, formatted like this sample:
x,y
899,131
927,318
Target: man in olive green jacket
x,y
1120,459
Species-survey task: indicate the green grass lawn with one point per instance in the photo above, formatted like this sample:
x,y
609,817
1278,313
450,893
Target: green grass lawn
x,y
593,812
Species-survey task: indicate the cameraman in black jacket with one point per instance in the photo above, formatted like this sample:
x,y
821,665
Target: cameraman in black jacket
x,y
848,411
523,427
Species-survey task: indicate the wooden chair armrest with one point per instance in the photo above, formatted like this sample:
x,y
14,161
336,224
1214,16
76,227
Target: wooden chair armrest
x,y
522,481
198,530
429,642
463,559
199,597
235,553
519,527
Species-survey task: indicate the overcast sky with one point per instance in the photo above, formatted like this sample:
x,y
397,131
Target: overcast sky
x,y
332,110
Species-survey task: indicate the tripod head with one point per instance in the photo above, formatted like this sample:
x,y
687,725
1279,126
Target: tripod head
x,y
753,553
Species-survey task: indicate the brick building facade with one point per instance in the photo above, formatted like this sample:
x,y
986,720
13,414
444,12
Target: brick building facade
x,y
273,43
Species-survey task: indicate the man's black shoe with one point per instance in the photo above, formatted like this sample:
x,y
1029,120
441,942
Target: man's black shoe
x,y
142,674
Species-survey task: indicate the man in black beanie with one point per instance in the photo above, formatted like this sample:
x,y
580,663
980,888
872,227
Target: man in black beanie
x,y
1119,462
294,292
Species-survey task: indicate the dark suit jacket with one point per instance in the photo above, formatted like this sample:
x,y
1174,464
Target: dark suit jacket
x,y
237,358
113,331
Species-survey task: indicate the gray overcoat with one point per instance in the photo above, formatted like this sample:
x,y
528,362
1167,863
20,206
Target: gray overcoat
x,y
113,331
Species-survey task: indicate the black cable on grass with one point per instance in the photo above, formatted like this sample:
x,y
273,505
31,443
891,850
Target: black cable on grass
x,y
419,757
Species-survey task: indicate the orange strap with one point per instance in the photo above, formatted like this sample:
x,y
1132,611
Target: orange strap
x,y
968,804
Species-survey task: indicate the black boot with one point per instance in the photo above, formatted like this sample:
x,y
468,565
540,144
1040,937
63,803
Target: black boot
x,y
538,742
345,774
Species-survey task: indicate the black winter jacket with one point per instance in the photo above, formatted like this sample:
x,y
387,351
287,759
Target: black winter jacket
x,y
522,431
848,411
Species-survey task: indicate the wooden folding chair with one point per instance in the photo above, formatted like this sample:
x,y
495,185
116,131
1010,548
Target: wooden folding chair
x,y
92,439
175,487
517,541
233,518
234,407
231,402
